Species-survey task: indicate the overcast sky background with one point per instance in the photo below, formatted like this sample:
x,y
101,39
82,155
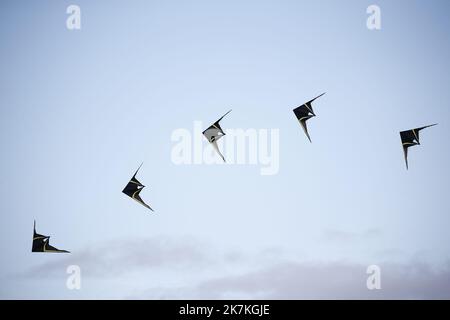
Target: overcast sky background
x,y
80,110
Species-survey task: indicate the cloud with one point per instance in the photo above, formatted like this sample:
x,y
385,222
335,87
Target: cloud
x,y
121,257
191,269
334,235
301,280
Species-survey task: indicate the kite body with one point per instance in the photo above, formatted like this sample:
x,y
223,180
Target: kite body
x,y
133,188
304,113
411,138
214,133
41,243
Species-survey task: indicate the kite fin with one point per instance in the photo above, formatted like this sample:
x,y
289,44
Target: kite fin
x,y
405,152
305,129
317,97
216,147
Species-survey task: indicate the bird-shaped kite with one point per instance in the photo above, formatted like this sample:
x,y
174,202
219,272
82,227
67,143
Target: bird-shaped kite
x,y
304,113
133,188
411,138
41,243
214,133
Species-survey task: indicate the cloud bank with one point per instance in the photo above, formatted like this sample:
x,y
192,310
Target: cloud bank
x,y
195,270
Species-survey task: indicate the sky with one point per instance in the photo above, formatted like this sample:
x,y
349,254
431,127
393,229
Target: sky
x,y
80,110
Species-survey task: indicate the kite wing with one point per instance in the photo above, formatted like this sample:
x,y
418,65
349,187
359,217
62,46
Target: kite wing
x,y
223,116
305,127
49,248
216,147
417,131
309,103
405,152
139,199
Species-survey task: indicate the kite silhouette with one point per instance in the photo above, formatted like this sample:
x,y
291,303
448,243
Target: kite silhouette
x,y
411,138
304,113
133,188
42,243
214,133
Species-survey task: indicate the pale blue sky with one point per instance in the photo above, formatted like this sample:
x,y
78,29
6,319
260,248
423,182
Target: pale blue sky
x,y
80,110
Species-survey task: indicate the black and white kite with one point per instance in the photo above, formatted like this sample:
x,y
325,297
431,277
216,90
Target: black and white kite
x,y
133,188
214,133
411,138
304,113
42,243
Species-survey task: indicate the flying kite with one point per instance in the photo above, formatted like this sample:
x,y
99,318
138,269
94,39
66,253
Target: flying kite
x,y
304,113
133,188
214,133
42,243
411,138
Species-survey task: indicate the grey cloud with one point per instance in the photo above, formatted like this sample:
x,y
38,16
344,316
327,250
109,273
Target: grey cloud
x,y
126,256
234,274
296,280
334,235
